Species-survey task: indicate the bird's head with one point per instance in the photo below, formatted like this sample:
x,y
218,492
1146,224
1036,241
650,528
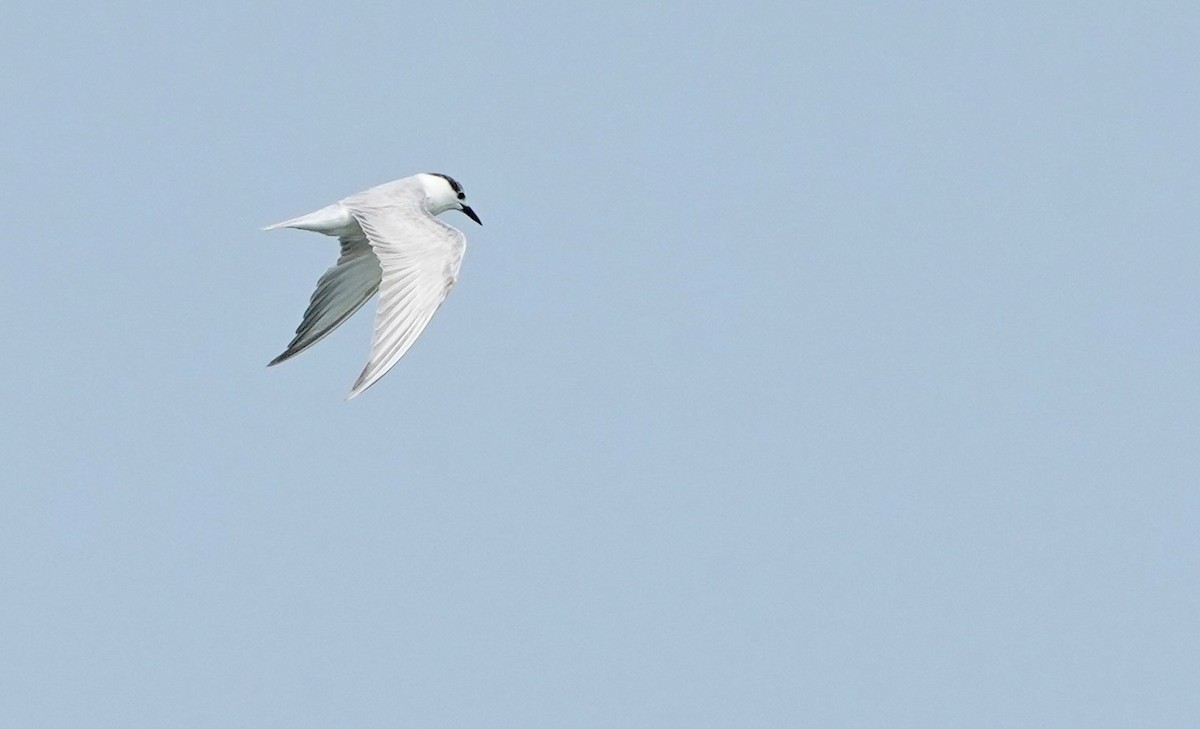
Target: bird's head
x,y
445,193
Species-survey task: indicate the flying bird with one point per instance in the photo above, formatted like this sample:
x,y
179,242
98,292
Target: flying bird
x,y
391,243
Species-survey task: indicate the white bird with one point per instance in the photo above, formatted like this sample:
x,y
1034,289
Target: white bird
x,y
391,242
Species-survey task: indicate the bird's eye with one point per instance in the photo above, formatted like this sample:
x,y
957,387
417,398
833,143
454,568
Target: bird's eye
x,y
461,196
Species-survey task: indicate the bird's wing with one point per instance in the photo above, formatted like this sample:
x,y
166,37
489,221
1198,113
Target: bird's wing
x,y
420,257
340,292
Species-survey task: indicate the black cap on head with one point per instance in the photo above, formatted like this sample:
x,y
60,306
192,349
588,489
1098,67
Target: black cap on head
x,y
453,182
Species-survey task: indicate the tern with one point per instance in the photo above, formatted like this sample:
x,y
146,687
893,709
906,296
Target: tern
x,y
391,243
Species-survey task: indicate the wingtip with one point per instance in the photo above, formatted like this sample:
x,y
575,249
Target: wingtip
x,y
360,386
355,391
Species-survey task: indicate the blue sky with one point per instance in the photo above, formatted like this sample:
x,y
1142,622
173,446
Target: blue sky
x,y
817,365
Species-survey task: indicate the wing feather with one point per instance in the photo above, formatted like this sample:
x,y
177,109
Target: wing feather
x,y
340,292
419,258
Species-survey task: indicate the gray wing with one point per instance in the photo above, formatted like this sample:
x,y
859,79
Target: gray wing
x,y
420,257
341,291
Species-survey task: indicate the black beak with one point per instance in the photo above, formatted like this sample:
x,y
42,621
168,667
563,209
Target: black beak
x,y
471,214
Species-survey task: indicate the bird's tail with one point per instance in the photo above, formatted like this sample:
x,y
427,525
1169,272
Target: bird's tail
x,y
331,220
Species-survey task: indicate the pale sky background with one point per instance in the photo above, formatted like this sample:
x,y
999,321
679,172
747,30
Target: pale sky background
x,y
817,365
